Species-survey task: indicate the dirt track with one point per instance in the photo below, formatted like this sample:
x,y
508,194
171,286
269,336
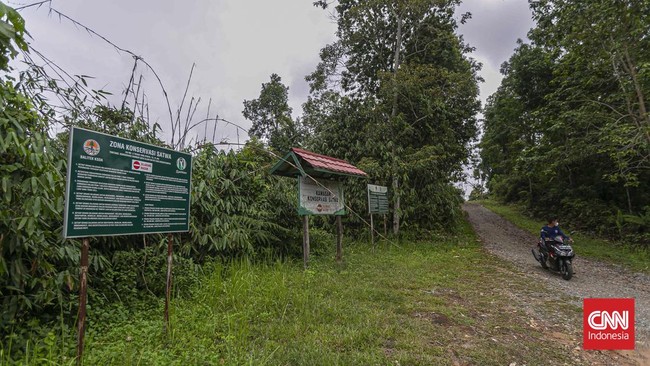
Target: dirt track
x,y
591,279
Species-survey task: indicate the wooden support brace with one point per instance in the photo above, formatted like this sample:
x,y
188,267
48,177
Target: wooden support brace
x,y
305,241
339,239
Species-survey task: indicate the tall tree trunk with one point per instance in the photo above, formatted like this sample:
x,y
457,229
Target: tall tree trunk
x,y
396,204
630,67
393,113
637,88
629,200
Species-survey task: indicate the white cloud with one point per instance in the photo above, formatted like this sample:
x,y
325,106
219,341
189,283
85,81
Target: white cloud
x,y
236,45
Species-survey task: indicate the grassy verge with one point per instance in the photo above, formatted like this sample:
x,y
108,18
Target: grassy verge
x,y
635,258
442,301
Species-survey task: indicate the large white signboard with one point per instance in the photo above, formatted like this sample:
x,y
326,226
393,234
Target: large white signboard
x,y
324,197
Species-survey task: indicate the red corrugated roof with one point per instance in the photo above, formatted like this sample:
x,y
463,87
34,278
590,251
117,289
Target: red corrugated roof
x,y
326,162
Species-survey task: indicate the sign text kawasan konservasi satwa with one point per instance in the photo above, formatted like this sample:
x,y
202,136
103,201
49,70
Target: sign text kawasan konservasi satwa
x,y
320,197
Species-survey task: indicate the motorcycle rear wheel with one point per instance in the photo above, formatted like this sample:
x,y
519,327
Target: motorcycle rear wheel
x,y
567,270
542,259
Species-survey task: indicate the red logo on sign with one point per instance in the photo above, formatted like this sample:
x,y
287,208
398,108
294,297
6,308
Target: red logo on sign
x,y
142,166
319,208
608,324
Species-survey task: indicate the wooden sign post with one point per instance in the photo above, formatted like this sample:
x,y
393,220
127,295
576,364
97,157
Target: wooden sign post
x,y
83,297
339,239
168,285
305,241
385,225
372,230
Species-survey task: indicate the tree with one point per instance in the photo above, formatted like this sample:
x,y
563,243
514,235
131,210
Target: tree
x,y
513,123
271,116
568,129
602,50
407,97
12,35
32,253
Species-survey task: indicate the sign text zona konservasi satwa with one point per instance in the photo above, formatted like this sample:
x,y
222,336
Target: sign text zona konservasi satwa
x,y
117,186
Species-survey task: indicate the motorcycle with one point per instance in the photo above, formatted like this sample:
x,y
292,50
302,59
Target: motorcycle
x,y
558,257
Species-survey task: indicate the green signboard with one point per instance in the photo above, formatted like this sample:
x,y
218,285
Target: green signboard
x,y
117,186
377,199
320,197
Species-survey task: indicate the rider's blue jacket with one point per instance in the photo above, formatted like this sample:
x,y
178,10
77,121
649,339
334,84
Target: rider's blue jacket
x,y
550,232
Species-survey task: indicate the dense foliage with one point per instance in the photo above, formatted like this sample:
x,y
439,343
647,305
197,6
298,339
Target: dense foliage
x,y
234,210
33,261
396,95
568,131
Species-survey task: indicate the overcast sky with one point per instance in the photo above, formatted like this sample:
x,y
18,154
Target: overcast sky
x,y
235,44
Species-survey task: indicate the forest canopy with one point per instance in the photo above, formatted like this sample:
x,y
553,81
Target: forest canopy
x,y
568,130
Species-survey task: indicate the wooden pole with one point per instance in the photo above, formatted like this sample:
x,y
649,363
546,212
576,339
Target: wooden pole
x,y
372,231
339,239
83,294
305,241
385,226
168,289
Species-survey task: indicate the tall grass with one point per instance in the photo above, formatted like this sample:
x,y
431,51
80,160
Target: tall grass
x,y
420,303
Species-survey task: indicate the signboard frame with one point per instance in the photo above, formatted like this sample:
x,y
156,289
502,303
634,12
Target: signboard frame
x,y
380,193
68,209
337,191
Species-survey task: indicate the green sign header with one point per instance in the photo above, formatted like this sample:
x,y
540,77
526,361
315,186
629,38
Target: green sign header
x,y
117,186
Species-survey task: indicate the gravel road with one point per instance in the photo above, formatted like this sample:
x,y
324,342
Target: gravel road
x,y
592,278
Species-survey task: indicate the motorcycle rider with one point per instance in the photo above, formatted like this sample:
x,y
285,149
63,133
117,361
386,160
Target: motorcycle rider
x,y
550,231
